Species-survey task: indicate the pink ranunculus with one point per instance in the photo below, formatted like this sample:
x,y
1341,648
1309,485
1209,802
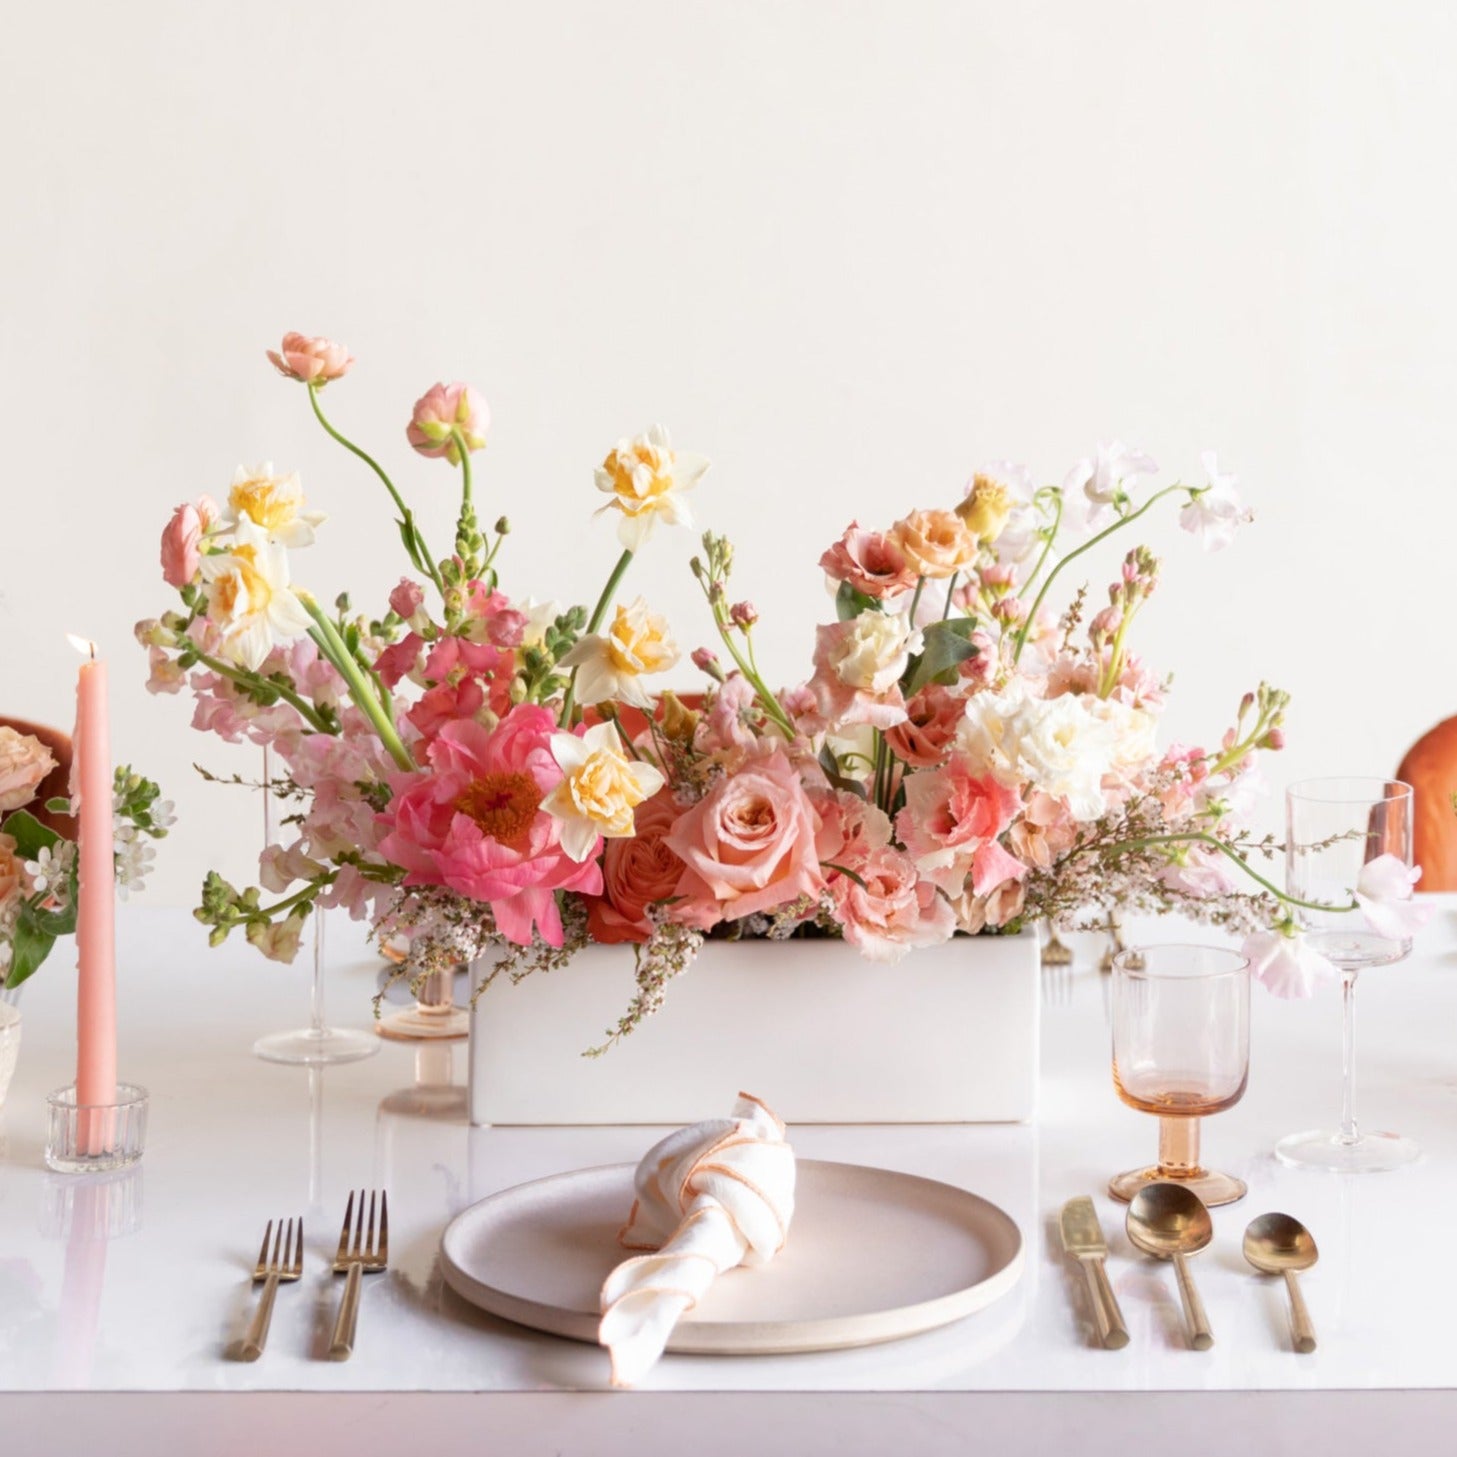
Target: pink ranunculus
x,y
890,909
441,412
638,872
405,600
312,361
951,823
472,821
930,725
870,562
748,845
182,542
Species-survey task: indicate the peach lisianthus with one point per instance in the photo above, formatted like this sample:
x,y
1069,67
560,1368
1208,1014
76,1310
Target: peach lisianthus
x,y
936,543
951,824
24,762
870,562
930,725
310,360
445,415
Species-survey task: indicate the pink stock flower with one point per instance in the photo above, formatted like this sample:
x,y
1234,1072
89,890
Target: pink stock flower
x,y
493,616
311,361
723,731
447,415
1043,833
638,872
399,660
748,845
405,600
182,541
931,719
951,823
890,910
869,561
472,821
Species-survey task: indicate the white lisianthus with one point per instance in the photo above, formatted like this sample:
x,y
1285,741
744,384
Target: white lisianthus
x,y
647,479
1385,892
1133,733
249,599
1214,511
274,504
610,665
599,790
873,657
1285,962
1103,476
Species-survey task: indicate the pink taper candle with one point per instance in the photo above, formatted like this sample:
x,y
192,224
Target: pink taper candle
x,y
96,900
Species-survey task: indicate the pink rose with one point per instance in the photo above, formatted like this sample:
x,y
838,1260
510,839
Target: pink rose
x,y
930,725
872,563
405,600
445,415
182,541
312,361
951,823
638,872
24,762
472,821
890,909
748,845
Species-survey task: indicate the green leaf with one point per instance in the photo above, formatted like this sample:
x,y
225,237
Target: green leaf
x,y
831,765
947,645
850,603
29,947
30,836
58,806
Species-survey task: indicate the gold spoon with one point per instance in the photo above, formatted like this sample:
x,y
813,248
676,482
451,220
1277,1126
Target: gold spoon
x,y
1277,1244
1170,1222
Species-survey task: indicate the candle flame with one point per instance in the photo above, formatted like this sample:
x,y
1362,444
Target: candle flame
x,y
83,645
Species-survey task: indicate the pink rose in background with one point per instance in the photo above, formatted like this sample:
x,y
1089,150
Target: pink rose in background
x,y
930,725
311,361
638,872
890,909
748,845
182,541
406,599
473,821
870,562
951,823
443,410
24,762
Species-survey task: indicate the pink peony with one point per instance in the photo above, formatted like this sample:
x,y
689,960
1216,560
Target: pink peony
x,y
638,872
472,821
182,541
951,823
930,725
312,361
748,845
870,562
441,412
890,909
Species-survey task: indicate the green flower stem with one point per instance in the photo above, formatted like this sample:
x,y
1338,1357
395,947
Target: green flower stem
x,y
308,893
1047,545
465,477
950,590
1201,837
569,702
244,678
916,600
421,554
767,701
1072,556
326,635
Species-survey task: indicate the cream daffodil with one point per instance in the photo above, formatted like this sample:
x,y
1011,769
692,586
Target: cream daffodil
x,y
647,479
249,599
610,664
599,790
274,504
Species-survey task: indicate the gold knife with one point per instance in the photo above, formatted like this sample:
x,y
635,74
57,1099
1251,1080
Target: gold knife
x,y
1082,1238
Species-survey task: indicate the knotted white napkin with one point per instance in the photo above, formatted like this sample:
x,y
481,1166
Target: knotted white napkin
x,y
710,1197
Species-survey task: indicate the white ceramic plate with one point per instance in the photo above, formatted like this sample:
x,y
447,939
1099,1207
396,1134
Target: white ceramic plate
x,y
872,1255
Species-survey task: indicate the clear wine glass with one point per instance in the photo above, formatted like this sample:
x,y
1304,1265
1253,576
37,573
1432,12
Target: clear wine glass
x,y
1334,827
1181,1051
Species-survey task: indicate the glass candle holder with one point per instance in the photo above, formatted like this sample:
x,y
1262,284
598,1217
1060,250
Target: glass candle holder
x,y
1181,1051
89,1138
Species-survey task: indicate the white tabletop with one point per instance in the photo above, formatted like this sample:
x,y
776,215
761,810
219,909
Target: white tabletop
x,y
235,1142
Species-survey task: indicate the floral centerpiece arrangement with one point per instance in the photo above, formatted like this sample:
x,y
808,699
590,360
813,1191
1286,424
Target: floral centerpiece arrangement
x,y
38,865
475,771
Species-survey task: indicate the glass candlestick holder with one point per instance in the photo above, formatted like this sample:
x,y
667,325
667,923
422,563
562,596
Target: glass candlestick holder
x,y
91,1138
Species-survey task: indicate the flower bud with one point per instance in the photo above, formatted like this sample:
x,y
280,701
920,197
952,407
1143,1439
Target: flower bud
x,y
743,615
985,509
679,723
707,661
445,417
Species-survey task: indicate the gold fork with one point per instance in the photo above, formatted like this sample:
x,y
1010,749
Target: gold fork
x,y
356,1257
285,1263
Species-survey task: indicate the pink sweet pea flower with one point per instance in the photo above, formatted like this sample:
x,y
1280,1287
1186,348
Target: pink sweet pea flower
x,y
442,411
310,361
472,821
890,910
1384,891
951,824
1286,963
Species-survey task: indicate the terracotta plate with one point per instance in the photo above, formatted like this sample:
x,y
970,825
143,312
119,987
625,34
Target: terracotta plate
x,y
873,1255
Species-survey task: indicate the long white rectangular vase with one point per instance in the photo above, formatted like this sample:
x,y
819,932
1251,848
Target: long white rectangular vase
x,y
947,1035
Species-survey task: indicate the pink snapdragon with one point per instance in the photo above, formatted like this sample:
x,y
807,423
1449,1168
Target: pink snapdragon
x,y
447,416
407,599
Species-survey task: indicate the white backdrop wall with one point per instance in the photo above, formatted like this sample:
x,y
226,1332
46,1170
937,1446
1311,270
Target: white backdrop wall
x,y
849,251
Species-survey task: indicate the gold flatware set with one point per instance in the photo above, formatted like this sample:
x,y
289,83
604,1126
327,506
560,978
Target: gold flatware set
x,y
364,1242
1170,1222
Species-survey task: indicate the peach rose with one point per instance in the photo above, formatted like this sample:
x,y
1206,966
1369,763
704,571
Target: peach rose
x,y
637,873
24,762
936,543
870,562
930,725
748,845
